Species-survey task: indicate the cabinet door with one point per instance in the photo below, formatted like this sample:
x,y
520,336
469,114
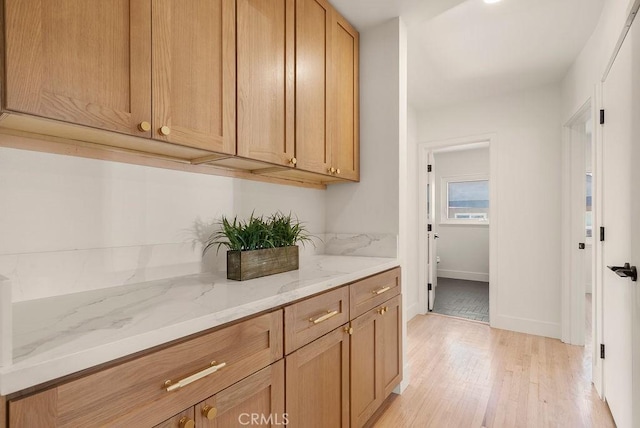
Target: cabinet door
x,y
181,420
81,62
391,325
256,401
313,49
345,140
266,99
194,73
366,363
318,382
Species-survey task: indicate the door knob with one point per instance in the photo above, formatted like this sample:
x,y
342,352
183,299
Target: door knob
x,y
164,130
625,271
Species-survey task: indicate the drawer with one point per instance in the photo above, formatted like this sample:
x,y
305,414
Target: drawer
x,y
309,319
372,291
134,393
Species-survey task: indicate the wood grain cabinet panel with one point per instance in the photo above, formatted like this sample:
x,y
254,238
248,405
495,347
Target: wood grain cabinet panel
x,y
255,401
309,319
134,393
81,62
345,144
327,94
376,358
374,290
194,73
313,51
266,91
317,383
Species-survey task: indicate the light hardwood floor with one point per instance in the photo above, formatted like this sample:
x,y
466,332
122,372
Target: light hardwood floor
x,y
466,374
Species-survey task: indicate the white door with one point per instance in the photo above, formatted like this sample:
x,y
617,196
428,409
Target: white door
x,y
634,39
432,259
619,293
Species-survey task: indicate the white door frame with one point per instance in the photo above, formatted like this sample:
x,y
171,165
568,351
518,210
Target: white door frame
x,y
423,156
572,296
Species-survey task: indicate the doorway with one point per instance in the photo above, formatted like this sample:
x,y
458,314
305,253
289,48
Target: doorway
x,y
456,212
583,187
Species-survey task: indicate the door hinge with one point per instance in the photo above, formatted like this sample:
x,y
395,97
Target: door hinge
x,y
602,351
429,228
429,287
602,117
429,168
601,233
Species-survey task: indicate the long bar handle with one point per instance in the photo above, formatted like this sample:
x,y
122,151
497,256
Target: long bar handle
x,y
382,290
324,317
194,377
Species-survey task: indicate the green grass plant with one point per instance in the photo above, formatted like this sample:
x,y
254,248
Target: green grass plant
x,y
278,230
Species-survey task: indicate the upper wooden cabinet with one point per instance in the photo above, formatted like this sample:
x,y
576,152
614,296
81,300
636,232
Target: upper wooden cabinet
x,y
345,146
194,76
163,69
261,88
266,98
327,136
82,62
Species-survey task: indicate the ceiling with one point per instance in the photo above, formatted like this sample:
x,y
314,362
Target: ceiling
x,y
461,50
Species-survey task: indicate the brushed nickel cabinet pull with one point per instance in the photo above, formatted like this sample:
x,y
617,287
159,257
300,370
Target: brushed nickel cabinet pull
x,y
194,377
324,317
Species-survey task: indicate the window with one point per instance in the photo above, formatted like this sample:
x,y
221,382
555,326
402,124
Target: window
x,y
465,200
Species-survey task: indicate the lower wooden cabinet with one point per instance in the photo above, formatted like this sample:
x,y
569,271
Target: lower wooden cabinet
x,y
376,358
343,359
135,393
318,382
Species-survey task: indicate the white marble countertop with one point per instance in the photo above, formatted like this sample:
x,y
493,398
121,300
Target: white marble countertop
x,y
57,336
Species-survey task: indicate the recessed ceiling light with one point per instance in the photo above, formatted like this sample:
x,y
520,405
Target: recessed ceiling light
x,y
491,1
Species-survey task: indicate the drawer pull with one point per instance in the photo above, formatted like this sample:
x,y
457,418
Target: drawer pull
x,y
382,290
324,317
194,377
185,422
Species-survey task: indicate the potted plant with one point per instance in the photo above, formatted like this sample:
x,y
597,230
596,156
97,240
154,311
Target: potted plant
x,y
258,246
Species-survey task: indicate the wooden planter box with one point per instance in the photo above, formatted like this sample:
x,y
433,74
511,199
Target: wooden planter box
x,y
242,265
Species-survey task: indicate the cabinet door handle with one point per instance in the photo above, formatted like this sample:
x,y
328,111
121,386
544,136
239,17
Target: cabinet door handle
x,y
382,290
324,317
194,377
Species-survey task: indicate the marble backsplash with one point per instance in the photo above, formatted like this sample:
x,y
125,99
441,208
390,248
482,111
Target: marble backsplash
x,y
37,275
361,244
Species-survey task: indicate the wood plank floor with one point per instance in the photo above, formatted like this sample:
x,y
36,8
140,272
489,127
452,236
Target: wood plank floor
x,y
466,374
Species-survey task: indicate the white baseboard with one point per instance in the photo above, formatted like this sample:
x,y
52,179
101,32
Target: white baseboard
x,y
460,274
406,377
413,310
526,325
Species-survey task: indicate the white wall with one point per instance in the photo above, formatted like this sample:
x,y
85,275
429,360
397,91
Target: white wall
x,y
588,69
412,212
527,130
372,206
463,249
70,224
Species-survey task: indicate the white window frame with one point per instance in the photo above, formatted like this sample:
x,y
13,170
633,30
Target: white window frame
x,y
444,199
